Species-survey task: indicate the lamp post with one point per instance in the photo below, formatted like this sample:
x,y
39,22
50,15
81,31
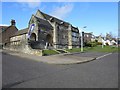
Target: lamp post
x,y
81,42
82,39
103,43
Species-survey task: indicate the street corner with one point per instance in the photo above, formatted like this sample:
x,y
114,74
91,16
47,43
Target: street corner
x,y
64,60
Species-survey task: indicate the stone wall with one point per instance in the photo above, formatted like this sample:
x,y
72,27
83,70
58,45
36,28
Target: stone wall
x,y
29,50
55,36
62,36
20,43
24,48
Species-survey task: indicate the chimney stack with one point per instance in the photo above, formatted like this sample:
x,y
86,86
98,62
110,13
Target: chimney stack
x,y
13,22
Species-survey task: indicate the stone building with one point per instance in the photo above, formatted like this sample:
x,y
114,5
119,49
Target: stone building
x,y
6,32
47,32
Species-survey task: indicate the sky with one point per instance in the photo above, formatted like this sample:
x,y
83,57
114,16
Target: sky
x,y
99,17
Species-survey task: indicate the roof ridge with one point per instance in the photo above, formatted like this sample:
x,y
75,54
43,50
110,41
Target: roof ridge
x,y
52,16
39,18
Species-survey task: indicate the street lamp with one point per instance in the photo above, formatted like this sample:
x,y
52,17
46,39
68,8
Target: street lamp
x,y
81,41
82,34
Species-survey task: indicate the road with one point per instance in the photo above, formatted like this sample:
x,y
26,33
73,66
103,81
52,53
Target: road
x,y
25,73
0,70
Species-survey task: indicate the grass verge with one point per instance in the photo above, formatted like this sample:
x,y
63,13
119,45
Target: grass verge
x,y
86,49
49,52
96,49
104,49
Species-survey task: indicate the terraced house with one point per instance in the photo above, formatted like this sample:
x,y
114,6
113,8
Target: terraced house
x,y
46,32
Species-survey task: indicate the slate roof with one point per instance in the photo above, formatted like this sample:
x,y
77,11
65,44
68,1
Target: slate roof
x,y
20,32
3,28
48,17
44,22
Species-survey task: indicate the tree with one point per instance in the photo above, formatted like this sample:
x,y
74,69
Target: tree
x,y
109,36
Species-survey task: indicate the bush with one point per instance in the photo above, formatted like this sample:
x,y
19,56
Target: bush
x,y
87,44
114,44
107,44
96,40
99,43
91,44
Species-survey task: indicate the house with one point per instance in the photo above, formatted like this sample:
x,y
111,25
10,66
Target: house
x,y
87,37
106,41
6,32
99,39
113,42
46,32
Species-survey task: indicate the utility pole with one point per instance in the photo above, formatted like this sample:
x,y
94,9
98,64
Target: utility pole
x,y
103,43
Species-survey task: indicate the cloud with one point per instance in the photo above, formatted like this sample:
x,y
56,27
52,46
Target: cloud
x,y
23,0
62,11
29,3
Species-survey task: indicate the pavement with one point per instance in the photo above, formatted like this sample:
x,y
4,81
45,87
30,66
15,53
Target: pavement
x,y
59,59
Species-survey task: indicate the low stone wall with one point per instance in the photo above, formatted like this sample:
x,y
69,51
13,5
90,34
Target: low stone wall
x,y
25,49
29,50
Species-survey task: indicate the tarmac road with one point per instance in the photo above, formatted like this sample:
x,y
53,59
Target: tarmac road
x,y
22,73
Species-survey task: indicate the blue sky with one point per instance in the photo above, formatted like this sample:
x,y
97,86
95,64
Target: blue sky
x,y
99,17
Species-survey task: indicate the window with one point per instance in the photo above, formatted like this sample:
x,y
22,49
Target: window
x,y
87,35
74,34
63,36
74,39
